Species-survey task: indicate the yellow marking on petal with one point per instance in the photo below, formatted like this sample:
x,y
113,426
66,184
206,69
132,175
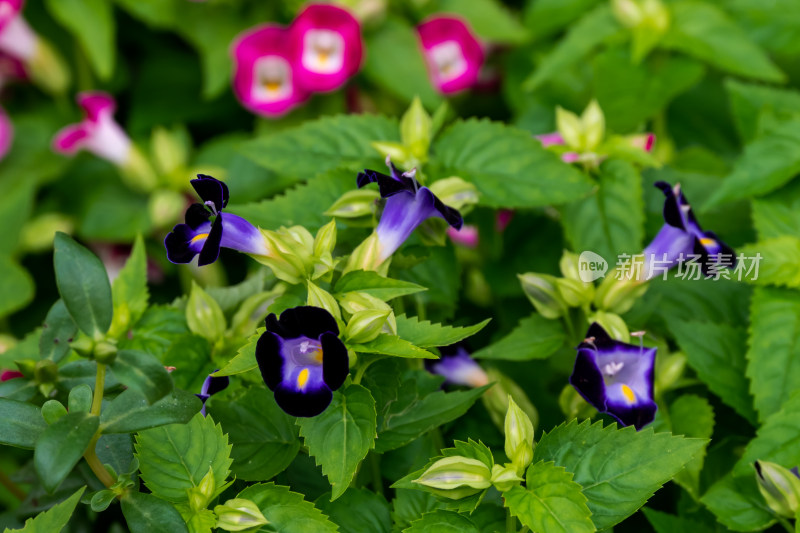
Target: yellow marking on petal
x,y
628,392
317,356
302,378
705,241
199,237
322,57
272,85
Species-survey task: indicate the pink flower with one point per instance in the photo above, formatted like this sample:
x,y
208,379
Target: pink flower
x,y
466,236
645,141
17,39
98,133
6,375
453,54
264,79
327,47
503,219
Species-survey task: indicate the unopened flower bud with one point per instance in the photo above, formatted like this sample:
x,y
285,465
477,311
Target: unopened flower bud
x,y
289,253
201,495
397,152
364,326
325,240
456,193
170,149
573,405
519,436
105,352
496,399
354,204
239,514
318,297
505,477
780,487
541,290
204,315
627,12
569,265
37,234
618,295
415,130
366,256
83,345
253,310
570,127
575,293
456,477
594,126
165,206
613,324
45,371
669,369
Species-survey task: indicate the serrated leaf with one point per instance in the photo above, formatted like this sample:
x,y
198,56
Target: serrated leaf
x,y
669,523
385,344
129,291
748,101
777,440
373,511
61,446
376,285
245,358
611,221
156,331
489,19
54,519
692,416
442,521
176,457
131,412
264,438
779,262
507,165
287,511
409,504
57,332
145,513
143,372
619,469
717,353
534,337
772,218
21,423
341,436
737,504
551,501
427,335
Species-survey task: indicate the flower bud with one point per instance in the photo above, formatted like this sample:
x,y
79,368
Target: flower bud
x,y
201,495
415,130
52,411
37,234
496,399
456,193
318,297
505,477
354,204
656,16
542,292
669,369
573,405
105,352
519,436
575,293
627,12
253,310
570,127
83,345
780,487
397,152
204,316
613,324
619,295
456,477
366,255
288,256
239,514
325,240
170,149
353,302
594,126
45,371
165,206
364,326
569,265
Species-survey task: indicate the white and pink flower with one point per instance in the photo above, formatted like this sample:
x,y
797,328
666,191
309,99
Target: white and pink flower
x,y
98,133
452,52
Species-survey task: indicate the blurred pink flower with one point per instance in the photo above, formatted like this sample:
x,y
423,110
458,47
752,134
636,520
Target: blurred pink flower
x,y
6,133
503,219
453,53
466,236
17,39
6,375
98,133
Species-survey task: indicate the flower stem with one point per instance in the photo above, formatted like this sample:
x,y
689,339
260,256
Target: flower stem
x,y
90,454
511,522
99,382
375,469
786,525
363,368
12,487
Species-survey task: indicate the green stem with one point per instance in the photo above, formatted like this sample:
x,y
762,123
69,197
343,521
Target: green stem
x,y
511,522
12,487
363,368
90,454
375,469
786,525
99,382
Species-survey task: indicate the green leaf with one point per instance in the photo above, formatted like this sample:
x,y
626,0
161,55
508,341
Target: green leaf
x,y
129,290
341,436
54,519
83,284
704,31
143,372
737,504
376,285
692,416
287,511
57,332
611,221
551,501
772,218
426,335
442,521
145,513
668,523
176,457
749,101
507,165
594,28
395,62
264,438
546,17
21,423
93,25
777,440
16,286
17,202
60,447
767,163
416,412
323,145
130,411
489,19
191,357
373,511
245,358
409,504
156,331
779,262
717,353
534,337
619,469
385,344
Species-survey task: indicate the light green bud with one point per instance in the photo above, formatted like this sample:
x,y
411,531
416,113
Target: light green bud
x,y
575,293
202,494
204,316
288,257
541,290
570,127
239,514
325,240
573,405
496,399
568,264
52,411
353,302
627,12
780,487
505,477
170,149
253,310
619,295
366,255
37,234
358,203
48,69
397,152
364,326
456,193
594,126
83,345
105,352
165,207
669,369
519,436
318,297
456,477
137,172
415,130
613,324
656,15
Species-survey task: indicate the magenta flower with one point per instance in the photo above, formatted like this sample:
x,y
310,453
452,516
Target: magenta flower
x,y
98,133
6,375
6,133
17,39
466,236
264,78
453,53
327,47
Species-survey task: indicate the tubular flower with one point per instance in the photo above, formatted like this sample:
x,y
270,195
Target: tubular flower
x,y
457,367
327,47
616,378
302,359
17,39
98,133
453,53
264,78
681,235
211,386
408,204
200,235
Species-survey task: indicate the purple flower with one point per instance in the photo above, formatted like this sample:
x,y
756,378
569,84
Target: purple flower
x,y
681,236
211,386
616,378
302,359
200,235
98,133
453,53
408,204
457,367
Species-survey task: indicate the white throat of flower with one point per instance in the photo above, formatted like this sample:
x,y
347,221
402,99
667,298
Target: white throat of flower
x,y
272,79
323,51
448,59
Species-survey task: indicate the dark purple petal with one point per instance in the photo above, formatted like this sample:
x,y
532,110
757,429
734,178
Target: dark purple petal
x,y
213,385
211,190
210,251
637,416
387,185
268,357
588,380
450,215
335,362
713,253
308,403
183,242
672,212
197,215
306,321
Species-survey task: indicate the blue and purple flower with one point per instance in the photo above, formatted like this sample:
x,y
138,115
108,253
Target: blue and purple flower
x,y
408,204
457,367
211,386
302,359
616,378
204,236
681,236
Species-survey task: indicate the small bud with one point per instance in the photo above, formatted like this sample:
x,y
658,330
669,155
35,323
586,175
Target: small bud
x,y
37,234
166,206
505,477
52,411
669,369
627,12
456,193
80,399
325,240
201,495
456,477
397,152
573,405
415,130
780,487
366,255
364,326
170,149
253,310
570,127
542,292
594,126
568,264
204,315
575,293
496,399
619,295
318,297
354,204
239,514
45,371
656,16
105,352
83,345
290,252
613,324
519,436
353,302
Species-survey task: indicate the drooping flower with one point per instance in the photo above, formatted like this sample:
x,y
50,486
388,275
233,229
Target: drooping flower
x,y
302,359
408,204
98,133
457,367
616,378
327,47
265,78
200,235
6,375
211,386
681,236
452,52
